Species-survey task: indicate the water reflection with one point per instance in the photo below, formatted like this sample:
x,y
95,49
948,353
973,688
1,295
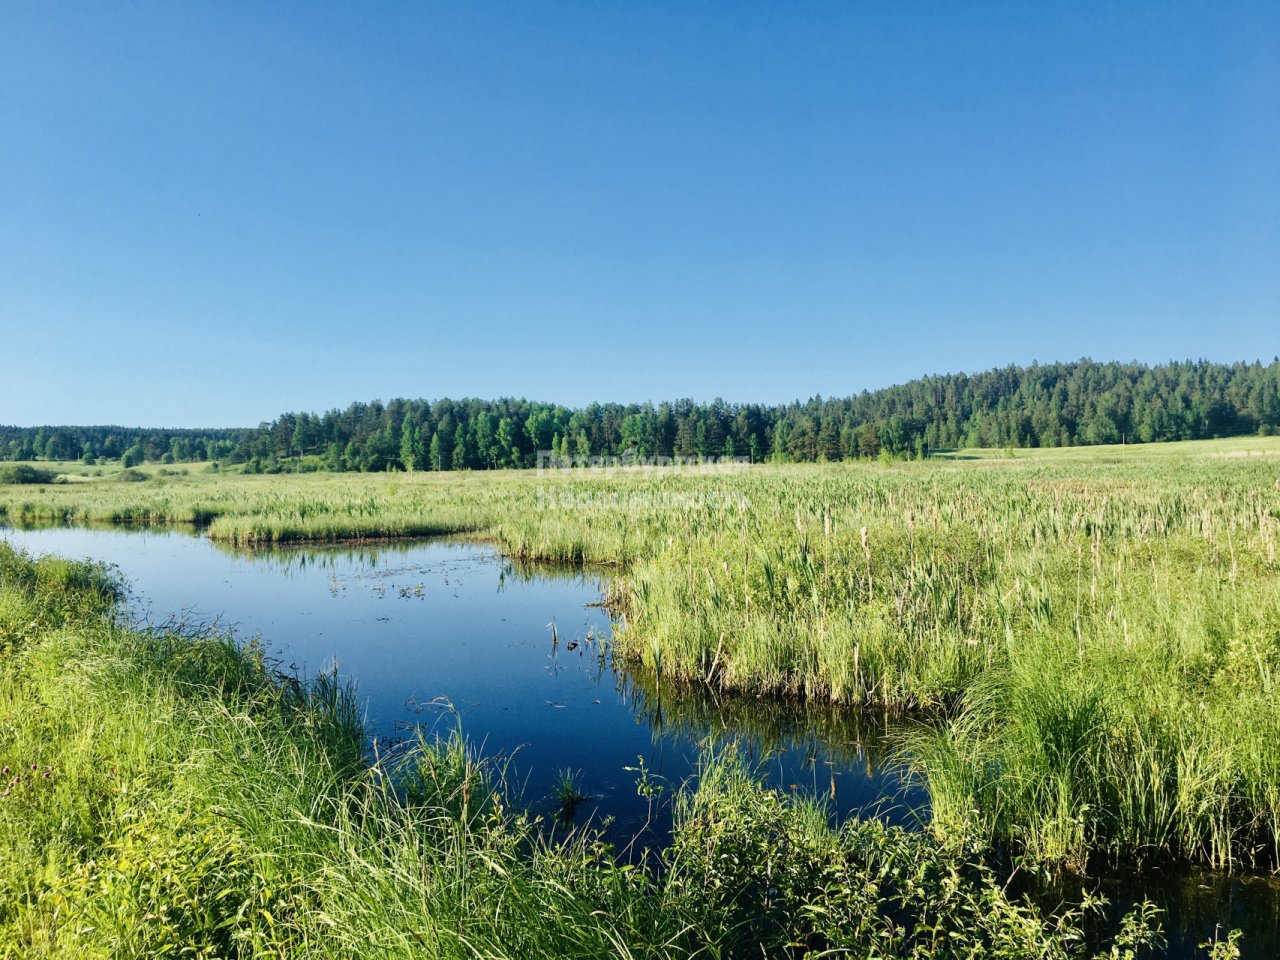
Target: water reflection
x,y
1197,905
847,757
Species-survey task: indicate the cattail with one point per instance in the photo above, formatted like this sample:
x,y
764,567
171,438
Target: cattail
x,y
866,552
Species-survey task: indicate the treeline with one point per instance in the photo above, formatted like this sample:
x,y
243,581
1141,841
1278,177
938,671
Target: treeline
x,y
1043,405
1048,405
132,445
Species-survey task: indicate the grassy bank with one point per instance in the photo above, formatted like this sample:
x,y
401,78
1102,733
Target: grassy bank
x,y
170,795
1098,631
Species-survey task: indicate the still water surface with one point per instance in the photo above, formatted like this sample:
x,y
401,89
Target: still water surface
x,y
434,634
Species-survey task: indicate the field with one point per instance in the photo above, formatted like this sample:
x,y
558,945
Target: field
x,y
1089,638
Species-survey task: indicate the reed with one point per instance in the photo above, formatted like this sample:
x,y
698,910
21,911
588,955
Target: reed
x,y
172,794
1091,634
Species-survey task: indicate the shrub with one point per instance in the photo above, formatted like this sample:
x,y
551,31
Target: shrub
x,y
25,473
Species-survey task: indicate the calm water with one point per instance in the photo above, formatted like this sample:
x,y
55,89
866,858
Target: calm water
x,y
430,632
437,633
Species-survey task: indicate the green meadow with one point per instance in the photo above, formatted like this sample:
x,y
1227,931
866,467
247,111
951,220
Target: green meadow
x,y
1088,638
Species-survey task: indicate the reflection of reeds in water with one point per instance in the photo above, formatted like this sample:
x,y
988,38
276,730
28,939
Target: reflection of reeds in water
x,y
353,552
770,724
33,521
297,560
830,740
369,554
1197,905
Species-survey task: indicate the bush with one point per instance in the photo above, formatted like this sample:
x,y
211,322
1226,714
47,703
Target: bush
x,y
132,476
25,473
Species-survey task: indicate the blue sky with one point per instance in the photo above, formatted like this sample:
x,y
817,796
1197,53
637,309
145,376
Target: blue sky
x,y
211,213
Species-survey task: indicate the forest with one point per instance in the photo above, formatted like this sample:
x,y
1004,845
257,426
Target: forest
x,y
129,445
1042,405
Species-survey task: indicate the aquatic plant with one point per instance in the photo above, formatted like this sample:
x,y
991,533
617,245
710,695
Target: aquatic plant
x,y
199,802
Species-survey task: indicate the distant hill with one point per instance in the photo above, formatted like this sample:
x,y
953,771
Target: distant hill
x,y
1043,405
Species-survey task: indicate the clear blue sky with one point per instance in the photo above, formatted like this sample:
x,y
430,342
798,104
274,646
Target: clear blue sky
x,y
214,212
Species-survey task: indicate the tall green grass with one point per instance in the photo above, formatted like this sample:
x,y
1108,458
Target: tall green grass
x,y
1098,634
170,794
